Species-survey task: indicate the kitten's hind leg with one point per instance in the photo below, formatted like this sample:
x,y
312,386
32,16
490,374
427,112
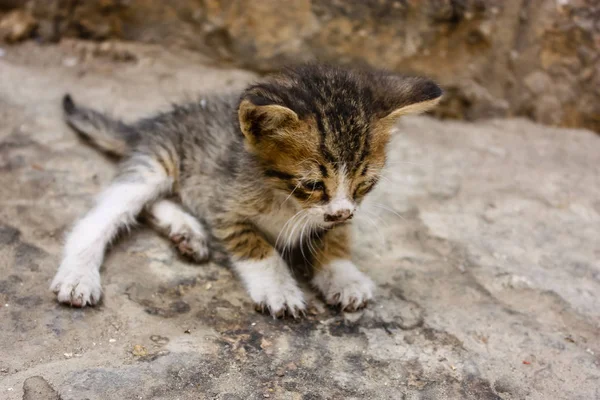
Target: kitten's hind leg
x,y
185,231
77,281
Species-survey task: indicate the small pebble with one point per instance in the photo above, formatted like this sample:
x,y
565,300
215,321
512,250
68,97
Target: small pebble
x,y
139,350
112,340
70,62
68,355
161,340
291,366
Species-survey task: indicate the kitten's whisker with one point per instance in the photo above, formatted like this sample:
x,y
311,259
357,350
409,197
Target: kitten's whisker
x,y
311,249
290,195
311,246
302,231
383,222
386,178
290,236
314,252
285,227
407,162
302,241
308,160
296,225
381,237
389,210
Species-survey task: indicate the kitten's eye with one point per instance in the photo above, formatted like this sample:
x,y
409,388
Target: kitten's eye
x,y
363,188
319,185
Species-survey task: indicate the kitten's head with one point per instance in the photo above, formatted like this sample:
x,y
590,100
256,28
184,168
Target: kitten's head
x,y
320,132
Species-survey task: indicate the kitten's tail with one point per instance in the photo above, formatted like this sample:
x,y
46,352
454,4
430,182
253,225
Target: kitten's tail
x,y
109,135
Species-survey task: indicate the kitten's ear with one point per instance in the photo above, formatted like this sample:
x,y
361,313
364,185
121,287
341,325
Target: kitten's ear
x,y
402,95
260,119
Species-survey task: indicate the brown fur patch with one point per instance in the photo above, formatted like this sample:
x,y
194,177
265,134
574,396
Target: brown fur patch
x,y
243,241
335,245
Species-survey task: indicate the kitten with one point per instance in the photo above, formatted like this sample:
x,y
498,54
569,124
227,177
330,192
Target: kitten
x,y
287,160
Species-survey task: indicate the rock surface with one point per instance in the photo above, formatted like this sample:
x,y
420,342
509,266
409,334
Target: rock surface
x,y
534,58
36,388
484,241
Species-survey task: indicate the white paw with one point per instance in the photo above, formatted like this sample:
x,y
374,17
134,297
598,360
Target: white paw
x,y
272,287
343,285
190,245
77,286
190,239
279,301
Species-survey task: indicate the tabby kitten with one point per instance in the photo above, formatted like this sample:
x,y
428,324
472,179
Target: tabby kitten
x,y
288,160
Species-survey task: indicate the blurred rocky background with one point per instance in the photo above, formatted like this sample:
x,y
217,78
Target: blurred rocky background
x,y
496,58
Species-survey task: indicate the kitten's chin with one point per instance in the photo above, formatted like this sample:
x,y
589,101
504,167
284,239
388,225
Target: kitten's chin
x,y
331,225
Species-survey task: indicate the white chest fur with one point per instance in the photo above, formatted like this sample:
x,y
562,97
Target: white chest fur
x,y
286,225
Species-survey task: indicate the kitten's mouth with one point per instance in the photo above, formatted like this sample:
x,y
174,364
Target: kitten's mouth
x,y
335,224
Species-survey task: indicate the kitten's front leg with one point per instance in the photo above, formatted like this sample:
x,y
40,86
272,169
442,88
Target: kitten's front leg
x,y
336,276
264,273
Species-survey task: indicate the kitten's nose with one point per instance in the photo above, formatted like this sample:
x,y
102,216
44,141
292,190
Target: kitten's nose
x,y
339,216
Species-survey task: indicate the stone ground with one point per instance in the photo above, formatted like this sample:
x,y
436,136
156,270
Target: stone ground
x,y
484,239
